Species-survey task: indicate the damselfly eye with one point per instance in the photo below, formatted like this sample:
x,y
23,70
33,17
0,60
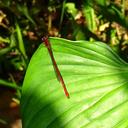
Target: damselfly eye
x,y
44,39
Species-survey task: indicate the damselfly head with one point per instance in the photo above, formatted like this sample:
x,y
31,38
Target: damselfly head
x,y
45,40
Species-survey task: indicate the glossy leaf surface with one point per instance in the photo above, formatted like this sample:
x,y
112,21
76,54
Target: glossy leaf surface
x,y
96,78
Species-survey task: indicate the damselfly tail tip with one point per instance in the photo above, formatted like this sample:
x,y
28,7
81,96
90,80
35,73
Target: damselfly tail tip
x,y
67,95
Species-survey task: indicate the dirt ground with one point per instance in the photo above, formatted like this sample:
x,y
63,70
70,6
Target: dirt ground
x,y
9,110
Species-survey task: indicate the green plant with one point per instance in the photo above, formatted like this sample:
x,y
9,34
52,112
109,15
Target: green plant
x,y
23,23
96,79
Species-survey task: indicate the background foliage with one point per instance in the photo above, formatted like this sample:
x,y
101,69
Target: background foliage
x,y
24,22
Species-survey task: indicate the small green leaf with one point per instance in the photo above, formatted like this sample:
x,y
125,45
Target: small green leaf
x,y
96,78
20,40
71,9
62,13
90,17
21,45
5,40
9,84
24,9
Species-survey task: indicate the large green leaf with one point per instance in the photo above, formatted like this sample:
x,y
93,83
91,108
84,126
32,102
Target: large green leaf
x,y
96,78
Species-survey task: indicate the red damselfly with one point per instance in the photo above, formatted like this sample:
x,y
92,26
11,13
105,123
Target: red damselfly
x,y
59,76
